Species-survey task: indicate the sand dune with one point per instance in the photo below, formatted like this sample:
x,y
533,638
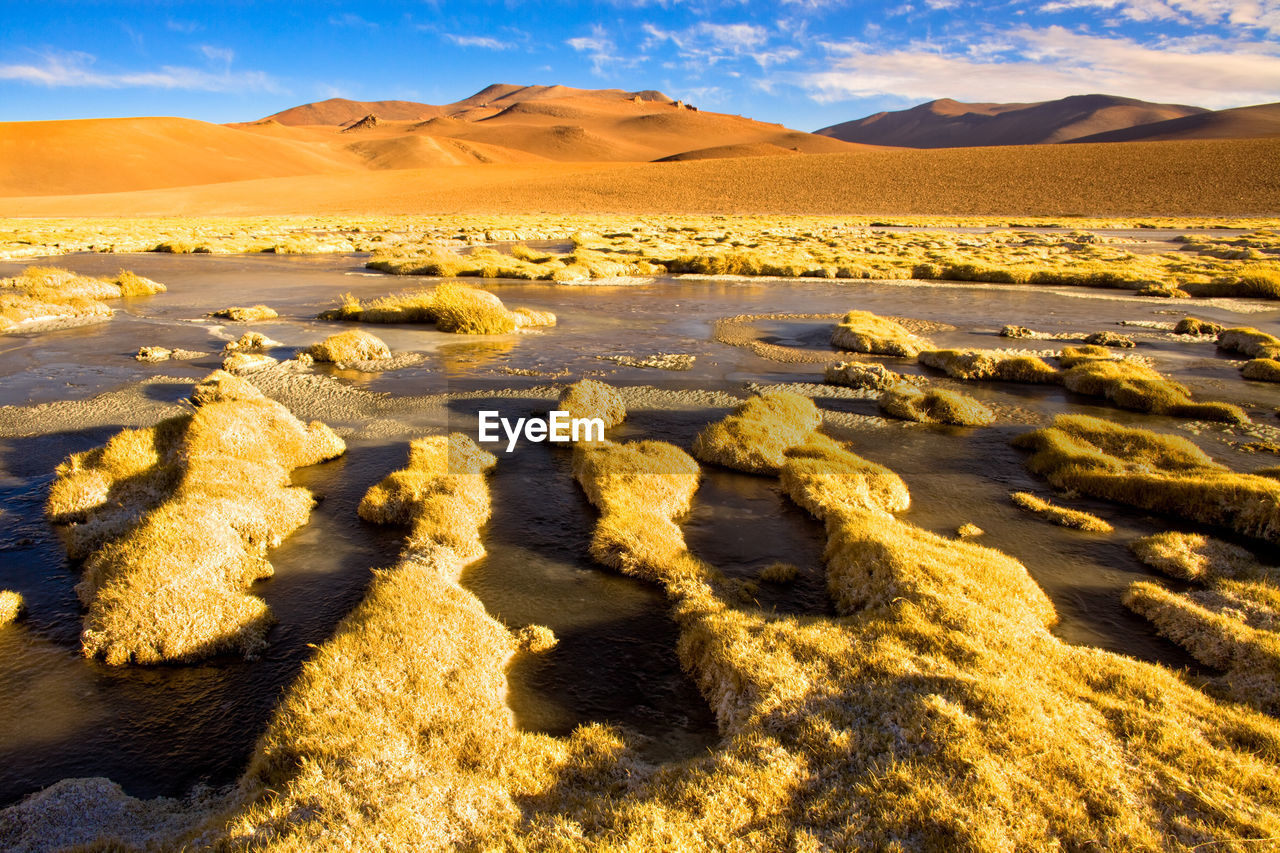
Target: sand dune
x,y
1190,178
951,124
1254,122
110,155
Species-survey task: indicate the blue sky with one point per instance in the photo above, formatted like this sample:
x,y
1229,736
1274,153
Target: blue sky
x,y
804,63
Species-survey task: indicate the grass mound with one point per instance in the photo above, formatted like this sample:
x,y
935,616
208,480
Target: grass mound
x,y
175,522
934,406
857,374
10,606
1262,369
46,294
589,398
247,362
1233,624
1249,341
452,307
1196,326
1134,386
862,331
1060,515
353,345
242,314
1110,339
755,435
989,364
250,342
821,474
1159,473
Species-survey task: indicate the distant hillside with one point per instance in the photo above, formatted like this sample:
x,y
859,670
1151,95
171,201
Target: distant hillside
x,y
1254,122
951,124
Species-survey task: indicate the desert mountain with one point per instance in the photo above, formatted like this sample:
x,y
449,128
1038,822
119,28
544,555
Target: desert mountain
x,y
950,124
1239,123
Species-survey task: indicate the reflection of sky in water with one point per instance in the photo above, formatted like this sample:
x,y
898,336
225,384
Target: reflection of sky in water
x,y
160,730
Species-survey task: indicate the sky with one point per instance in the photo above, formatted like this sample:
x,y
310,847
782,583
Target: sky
x,y
802,63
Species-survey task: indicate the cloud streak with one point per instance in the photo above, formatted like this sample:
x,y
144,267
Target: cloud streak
x,y
1029,64
75,70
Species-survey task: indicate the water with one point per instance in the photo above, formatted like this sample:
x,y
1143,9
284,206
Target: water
x,y
161,730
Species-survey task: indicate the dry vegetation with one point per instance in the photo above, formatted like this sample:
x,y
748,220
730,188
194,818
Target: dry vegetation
x,y
1156,472
250,342
606,246
589,398
174,522
353,345
452,307
246,314
1262,369
40,295
934,406
755,435
10,606
1130,384
1060,515
1002,365
862,331
1196,326
1233,624
1249,341
858,374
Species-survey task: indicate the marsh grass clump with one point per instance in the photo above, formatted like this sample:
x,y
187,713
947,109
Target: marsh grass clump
x,y
862,331
155,355
1195,326
1015,331
590,398
821,473
452,307
11,605
175,522
969,530
779,572
247,362
243,314
975,364
352,345
222,386
1232,624
40,295
1249,341
1152,471
1132,385
1110,339
934,406
1060,515
857,374
250,342
754,436
1262,369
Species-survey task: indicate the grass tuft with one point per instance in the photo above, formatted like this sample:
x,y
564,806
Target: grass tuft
x,y
934,406
353,345
755,435
1060,515
999,365
589,398
11,605
242,314
862,331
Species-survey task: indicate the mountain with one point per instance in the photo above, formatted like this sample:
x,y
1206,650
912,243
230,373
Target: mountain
x,y
951,124
1240,123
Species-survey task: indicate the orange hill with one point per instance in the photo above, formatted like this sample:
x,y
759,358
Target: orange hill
x,y
1186,178
950,124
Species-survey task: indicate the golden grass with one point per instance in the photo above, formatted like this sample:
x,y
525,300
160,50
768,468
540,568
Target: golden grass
x,y
934,406
821,474
47,294
1196,326
352,345
250,342
1110,339
1262,369
779,572
1132,385
1194,556
222,386
452,307
1156,472
247,362
589,398
175,522
11,605
862,331
968,530
246,314
1060,515
858,374
1249,341
971,364
754,435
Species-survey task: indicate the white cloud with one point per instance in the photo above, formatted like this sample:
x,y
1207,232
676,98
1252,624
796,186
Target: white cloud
x,y
486,42
1255,14
599,48
350,19
1043,64
224,55
75,69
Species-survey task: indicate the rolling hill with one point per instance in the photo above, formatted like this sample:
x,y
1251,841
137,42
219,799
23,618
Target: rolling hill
x,y
1261,120
951,124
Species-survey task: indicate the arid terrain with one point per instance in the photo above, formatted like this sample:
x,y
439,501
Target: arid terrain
x,y
935,502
